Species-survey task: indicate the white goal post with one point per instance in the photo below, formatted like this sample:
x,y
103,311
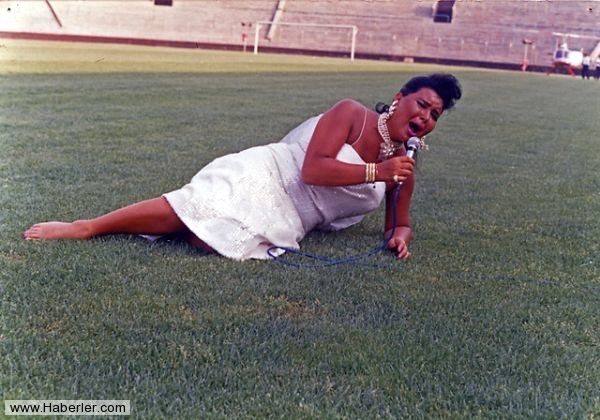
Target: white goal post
x,y
354,29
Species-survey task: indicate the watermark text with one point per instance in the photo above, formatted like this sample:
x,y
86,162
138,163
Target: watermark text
x,y
67,407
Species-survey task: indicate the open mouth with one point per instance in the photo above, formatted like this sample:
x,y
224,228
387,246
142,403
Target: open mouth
x,y
414,128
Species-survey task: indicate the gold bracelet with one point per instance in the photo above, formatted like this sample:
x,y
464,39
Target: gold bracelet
x,y
370,173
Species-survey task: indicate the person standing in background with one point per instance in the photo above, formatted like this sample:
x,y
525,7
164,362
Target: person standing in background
x,y
585,67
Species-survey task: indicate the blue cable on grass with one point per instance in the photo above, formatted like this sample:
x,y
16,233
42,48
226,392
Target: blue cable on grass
x,y
328,262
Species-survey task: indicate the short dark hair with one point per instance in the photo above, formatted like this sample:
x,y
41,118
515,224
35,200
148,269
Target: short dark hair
x,y
444,84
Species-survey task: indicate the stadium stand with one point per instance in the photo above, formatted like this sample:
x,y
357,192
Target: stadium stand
x,y
488,33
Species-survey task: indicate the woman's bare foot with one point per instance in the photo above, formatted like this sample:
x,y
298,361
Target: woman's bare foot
x,y
58,230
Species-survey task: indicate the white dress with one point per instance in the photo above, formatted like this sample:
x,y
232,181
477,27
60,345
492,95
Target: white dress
x,y
244,203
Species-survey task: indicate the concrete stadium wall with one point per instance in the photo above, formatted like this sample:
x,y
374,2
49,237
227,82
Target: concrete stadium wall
x,y
482,32
186,20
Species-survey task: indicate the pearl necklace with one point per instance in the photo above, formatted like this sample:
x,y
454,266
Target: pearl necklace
x,y
387,148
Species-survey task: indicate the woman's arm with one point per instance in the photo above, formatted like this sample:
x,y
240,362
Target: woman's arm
x,y
341,124
336,127
402,232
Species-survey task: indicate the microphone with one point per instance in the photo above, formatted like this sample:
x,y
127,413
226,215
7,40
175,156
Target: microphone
x,y
412,146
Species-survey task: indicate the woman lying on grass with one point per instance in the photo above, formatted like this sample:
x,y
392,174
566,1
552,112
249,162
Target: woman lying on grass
x,y
327,173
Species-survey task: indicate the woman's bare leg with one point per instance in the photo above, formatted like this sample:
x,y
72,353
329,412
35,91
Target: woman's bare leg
x,y
194,241
151,217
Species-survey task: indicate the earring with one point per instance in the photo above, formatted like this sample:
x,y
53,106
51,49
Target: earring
x,y
393,107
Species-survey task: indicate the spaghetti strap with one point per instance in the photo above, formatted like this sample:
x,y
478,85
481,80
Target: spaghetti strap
x,y
361,130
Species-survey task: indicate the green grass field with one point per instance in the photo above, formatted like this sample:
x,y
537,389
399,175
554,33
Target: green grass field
x,y
497,315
